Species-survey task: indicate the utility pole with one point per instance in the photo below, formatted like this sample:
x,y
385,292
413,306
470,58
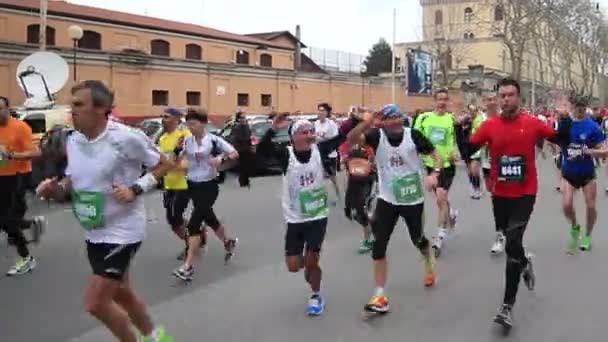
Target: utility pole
x,y
44,4
393,55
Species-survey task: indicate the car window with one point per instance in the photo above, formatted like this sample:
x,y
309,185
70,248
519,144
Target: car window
x,y
258,129
37,122
150,128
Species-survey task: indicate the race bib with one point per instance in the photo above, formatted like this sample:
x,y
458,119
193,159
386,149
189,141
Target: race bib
x,y
438,135
88,208
512,169
575,151
408,189
313,202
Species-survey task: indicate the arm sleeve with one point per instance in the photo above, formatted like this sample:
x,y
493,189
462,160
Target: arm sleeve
x,y
423,145
279,152
372,138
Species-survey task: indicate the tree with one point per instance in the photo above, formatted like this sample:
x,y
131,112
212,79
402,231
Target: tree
x,y
379,58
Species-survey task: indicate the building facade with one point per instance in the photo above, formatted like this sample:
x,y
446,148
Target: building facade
x,y
153,63
470,53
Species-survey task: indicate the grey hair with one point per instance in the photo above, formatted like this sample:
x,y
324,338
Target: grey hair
x,y
102,95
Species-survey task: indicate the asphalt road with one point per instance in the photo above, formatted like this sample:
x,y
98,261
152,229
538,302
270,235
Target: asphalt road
x,y
256,299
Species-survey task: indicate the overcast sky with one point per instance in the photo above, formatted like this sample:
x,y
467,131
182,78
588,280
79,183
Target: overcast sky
x,y
357,24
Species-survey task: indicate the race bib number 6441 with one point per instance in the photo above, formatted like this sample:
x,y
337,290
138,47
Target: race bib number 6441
x,y
512,169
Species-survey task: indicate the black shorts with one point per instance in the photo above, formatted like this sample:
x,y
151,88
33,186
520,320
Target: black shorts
x,y
175,203
578,181
330,165
446,176
486,172
384,221
310,234
111,260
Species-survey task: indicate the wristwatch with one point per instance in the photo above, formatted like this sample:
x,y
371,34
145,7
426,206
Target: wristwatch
x,y
137,190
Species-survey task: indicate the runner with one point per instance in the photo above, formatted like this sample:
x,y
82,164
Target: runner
x,y
304,200
475,164
175,197
491,107
104,162
400,176
511,139
325,129
16,151
358,160
578,169
205,153
439,128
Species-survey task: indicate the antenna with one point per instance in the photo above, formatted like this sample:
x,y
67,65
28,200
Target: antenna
x,y
41,75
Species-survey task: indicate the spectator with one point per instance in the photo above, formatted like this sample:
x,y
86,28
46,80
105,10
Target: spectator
x,y
241,140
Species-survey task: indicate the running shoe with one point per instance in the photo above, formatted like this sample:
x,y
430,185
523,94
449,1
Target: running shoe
x,y
316,305
585,243
184,273
499,245
429,269
38,227
503,317
528,274
230,246
160,335
22,266
437,244
378,304
365,246
575,233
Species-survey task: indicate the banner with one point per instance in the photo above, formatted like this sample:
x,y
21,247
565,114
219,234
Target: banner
x,y
419,73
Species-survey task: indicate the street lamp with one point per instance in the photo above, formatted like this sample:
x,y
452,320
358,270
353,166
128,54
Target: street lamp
x,y
75,33
363,69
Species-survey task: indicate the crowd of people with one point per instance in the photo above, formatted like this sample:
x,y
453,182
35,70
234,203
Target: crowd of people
x,y
390,161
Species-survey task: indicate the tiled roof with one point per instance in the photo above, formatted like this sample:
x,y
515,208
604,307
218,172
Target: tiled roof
x,y
62,8
272,35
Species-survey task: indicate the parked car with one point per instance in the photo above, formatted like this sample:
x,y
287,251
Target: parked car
x,y
153,128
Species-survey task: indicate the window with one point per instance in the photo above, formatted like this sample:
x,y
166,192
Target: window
x,y
469,35
160,97
468,14
266,60
37,122
438,17
266,100
33,34
159,47
242,57
194,51
499,13
90,40
193,98
242,100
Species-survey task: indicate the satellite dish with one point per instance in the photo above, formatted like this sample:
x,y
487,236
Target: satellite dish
x,y
41,75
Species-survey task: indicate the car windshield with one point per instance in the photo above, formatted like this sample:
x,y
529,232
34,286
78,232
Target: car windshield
x,y
258,129
150,127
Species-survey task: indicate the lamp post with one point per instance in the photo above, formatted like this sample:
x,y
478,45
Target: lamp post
x,y
75,33
363,69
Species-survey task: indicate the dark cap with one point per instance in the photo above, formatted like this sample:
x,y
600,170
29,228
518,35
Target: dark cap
x,y
174,112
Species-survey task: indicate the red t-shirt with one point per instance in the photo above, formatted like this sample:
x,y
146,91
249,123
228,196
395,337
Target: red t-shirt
x,y
507,140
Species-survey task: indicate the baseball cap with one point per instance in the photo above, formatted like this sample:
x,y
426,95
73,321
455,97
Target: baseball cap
x,y
173,112
391,111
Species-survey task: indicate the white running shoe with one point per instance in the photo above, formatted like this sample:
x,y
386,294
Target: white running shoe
x,y
499,245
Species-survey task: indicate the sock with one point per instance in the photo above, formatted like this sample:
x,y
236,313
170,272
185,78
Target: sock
x,y
155,335
476,182
471,179
379,291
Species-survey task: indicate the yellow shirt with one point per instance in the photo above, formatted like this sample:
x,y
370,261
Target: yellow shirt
x,y
176,179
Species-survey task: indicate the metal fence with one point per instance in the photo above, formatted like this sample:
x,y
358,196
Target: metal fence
x,y
334,60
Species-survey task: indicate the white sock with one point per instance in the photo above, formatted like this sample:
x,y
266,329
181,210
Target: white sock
x,y
155,335
379,291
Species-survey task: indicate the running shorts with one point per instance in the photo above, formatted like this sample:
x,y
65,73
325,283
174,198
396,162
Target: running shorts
x,y
486,172
111,260
446,176
175,203
578,181
309,235
330,165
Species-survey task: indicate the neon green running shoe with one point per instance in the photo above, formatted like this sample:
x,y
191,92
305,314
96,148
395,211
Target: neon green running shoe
x,y
575,234
160,336
585,243
365,246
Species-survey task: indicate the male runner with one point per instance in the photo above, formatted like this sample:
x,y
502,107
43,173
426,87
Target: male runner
x,y
326,129
105,160
205,153
511,139
578,169
475,164
439,128
16,149
401,194
304,200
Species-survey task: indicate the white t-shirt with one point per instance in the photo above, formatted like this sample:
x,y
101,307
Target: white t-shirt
x,y
117,157
198,156
327,130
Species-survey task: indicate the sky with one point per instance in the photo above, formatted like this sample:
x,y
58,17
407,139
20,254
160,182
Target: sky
x,y
356,24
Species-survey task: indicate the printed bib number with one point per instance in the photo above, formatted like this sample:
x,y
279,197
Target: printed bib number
x,y
88,207
408,189
313,202
512,169
438,135
575,151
